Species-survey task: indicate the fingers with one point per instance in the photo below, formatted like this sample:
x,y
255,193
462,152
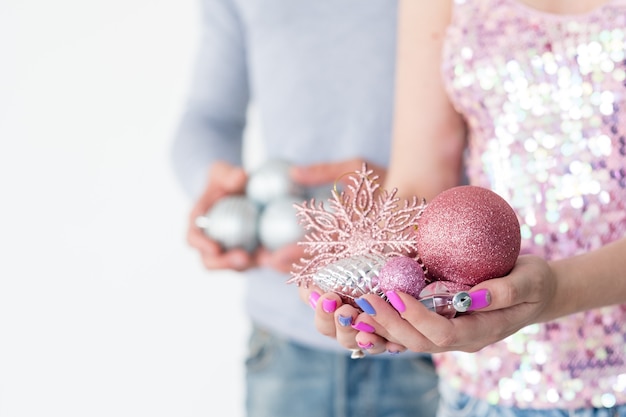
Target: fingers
x,y
400,329
281,259
377,326
196,238
324,306
368,336
224,179
228,178
236,259
500,307
325,173
341,321
212,254
351,327
529,282
412,325
358,330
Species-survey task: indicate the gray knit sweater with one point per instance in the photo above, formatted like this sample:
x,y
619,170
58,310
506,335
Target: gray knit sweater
x,y
319,74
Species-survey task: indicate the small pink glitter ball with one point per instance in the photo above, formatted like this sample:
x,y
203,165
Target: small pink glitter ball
x,y
468,234
402,273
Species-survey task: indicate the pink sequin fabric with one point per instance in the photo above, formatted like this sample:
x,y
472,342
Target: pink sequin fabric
x,y
544,97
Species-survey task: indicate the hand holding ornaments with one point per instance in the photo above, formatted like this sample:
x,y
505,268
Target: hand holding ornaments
x,y
264,215
435,251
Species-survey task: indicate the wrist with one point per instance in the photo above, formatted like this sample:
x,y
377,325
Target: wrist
x,y
565,301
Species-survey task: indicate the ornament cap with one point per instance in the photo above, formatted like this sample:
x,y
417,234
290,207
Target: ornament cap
x,y
461,301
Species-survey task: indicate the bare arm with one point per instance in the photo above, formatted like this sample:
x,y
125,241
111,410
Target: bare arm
x,y
594,279
429,140
535,291
429,135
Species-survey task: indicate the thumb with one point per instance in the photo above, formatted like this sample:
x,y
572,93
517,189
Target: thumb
x,y
324,173
230,178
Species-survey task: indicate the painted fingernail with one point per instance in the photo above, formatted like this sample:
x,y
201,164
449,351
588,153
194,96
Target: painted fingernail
x,y
365,306
329,306
365,345
480,299
363,327
313,297
393,352
395,301
344,321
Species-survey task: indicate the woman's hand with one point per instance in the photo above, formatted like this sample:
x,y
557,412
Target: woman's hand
x,y
315,176
523,297
352,328
514,301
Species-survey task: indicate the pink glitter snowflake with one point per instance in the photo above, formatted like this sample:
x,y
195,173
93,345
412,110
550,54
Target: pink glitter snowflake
x,y
365,220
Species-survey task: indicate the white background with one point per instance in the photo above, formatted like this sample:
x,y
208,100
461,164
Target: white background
x,y
104,310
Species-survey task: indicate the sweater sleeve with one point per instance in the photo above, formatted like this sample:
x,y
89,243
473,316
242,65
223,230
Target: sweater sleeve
x,y
214,117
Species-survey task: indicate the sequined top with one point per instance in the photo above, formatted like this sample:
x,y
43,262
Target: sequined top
x,y
544,98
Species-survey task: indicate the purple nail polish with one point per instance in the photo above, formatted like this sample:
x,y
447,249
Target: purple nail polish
x,y
365,306
344,321
480,299
393,352
365,346
363,327
313,298
395,301
329,306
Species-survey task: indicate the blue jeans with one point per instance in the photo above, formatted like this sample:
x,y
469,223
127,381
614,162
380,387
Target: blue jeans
x,y
457,404
284,379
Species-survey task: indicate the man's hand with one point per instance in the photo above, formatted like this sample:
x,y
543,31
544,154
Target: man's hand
x,y
224,179
315,175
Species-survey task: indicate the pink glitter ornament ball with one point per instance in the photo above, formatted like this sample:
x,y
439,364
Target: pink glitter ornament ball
x,y
468,234
401,273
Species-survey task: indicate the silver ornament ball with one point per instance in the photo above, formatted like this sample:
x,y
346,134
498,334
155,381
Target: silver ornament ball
x,y
271,180
232,222
278,223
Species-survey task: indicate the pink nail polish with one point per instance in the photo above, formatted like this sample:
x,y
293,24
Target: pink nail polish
x,y
329,306
480,299
395,301
313,298
365,345
363,327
